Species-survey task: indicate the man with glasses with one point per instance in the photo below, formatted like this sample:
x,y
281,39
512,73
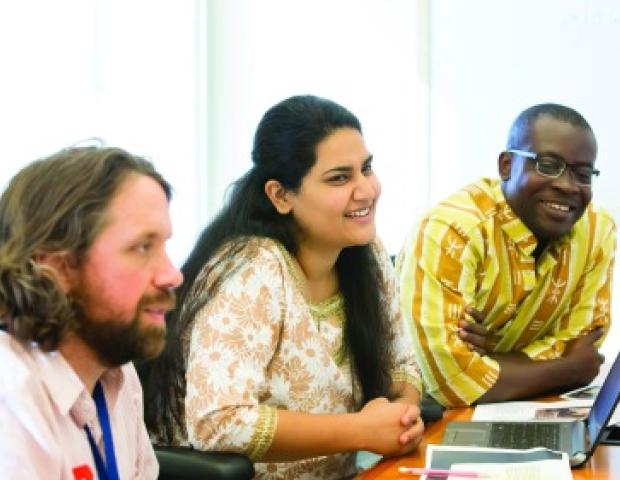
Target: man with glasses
x,y
507,282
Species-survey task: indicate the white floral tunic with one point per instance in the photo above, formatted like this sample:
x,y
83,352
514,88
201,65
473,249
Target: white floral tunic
x,y
258,346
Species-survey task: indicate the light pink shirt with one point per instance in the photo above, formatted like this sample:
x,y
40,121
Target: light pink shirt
x,y
44,407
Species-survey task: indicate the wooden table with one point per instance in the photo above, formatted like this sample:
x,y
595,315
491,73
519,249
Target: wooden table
x,y
605,463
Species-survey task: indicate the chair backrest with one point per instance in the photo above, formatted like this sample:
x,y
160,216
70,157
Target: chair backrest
x,y
186,463
430,409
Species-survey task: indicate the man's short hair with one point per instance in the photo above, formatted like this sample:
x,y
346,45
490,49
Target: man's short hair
x,y
55,205
521,127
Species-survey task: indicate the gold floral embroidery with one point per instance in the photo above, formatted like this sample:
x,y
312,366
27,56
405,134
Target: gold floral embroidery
x,y
292,265
332,307
405,377
263,433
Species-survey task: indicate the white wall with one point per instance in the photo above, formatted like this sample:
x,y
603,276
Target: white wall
x,y
185,84
125,71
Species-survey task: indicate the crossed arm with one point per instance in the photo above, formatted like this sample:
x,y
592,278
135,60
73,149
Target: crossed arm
x,y
520,376
457,365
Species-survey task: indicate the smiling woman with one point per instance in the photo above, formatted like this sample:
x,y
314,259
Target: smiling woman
x,y
334,207
289,317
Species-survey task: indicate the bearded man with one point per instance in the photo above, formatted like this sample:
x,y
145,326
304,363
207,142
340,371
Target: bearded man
x,y
85,283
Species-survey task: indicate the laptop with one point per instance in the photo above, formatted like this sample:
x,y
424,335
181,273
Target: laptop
x,y
577,438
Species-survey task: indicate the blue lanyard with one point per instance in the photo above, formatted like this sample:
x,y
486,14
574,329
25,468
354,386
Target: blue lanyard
x,y
111,472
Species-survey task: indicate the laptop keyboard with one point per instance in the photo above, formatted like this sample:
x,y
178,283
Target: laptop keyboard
x,y
525,435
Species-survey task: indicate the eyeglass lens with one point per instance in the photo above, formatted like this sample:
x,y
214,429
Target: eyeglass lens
x,y
554,167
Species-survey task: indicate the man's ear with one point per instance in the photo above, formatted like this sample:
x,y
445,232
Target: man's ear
x,y
61,267
504,165
279,196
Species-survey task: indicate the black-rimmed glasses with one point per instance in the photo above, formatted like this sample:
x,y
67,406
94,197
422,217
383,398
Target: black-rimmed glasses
x,y
553,166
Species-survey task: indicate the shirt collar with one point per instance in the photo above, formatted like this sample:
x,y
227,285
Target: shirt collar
x,y
511,223
67,391
517,230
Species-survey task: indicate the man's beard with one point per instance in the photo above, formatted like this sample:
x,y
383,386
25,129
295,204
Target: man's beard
x,y
117,342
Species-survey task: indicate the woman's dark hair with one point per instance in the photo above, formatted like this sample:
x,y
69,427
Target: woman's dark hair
x,y
284,150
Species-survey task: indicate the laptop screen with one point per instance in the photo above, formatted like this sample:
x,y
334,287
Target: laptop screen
x,y
605,403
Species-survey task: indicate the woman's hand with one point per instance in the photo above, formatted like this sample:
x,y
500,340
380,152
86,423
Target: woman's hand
x,y
390,428
408,395
414,425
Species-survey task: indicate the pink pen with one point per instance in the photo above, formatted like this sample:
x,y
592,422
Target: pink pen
x,y
436,472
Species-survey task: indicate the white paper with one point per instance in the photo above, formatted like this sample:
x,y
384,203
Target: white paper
x,y
483,459
589,392
537,470
602,374
615,418
568,410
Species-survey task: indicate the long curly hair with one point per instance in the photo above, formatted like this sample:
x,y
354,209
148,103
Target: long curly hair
x,y
55,204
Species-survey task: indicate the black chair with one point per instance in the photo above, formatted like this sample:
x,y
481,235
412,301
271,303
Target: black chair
x,y
430,409
186,463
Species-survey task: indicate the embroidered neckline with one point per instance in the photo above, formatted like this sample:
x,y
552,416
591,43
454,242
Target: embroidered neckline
x,y
332,306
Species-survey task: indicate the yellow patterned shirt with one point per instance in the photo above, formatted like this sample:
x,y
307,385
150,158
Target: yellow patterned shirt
x,y
472,250
258,346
